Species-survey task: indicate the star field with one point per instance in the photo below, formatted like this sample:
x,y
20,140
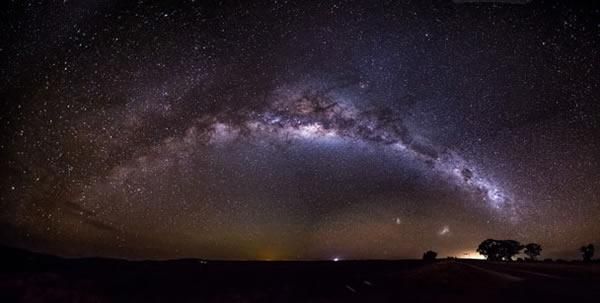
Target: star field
x,y
292,130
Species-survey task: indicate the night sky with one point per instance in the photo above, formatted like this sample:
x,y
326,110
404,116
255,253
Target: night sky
x,y
296,130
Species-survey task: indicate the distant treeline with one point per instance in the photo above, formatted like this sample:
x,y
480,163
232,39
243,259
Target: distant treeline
x,y
506,250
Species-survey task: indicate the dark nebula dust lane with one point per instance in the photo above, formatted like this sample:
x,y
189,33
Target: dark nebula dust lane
x,y
293,130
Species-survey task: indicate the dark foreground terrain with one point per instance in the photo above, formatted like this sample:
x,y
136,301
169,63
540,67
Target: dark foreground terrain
x,y
29,277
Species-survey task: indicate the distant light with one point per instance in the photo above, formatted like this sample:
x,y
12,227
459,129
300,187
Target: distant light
x,y
336,259
471,255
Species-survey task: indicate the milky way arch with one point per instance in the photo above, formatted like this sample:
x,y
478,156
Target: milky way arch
x,y
303,113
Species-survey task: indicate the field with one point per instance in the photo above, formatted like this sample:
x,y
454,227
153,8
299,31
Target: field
x,y
27,277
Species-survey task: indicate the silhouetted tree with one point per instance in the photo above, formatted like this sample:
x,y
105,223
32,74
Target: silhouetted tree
x,y
496,250
587,252
490,248
509,248
532,250
429,255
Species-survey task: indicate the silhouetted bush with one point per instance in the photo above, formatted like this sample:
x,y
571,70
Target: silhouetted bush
x,y
587,252
429,255
532,250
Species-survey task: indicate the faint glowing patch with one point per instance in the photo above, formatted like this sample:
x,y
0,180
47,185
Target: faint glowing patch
x,y
223,133
312,131
315,129
496,197
398,221
335,259
445,230
274,120
399,146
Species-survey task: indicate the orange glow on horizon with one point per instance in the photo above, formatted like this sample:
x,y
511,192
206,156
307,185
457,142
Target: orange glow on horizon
x,y
470,254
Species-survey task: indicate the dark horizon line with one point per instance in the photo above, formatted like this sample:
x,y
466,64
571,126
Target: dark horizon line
x,y
4,248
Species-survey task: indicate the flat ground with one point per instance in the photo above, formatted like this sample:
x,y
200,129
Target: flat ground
x,y
101,280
